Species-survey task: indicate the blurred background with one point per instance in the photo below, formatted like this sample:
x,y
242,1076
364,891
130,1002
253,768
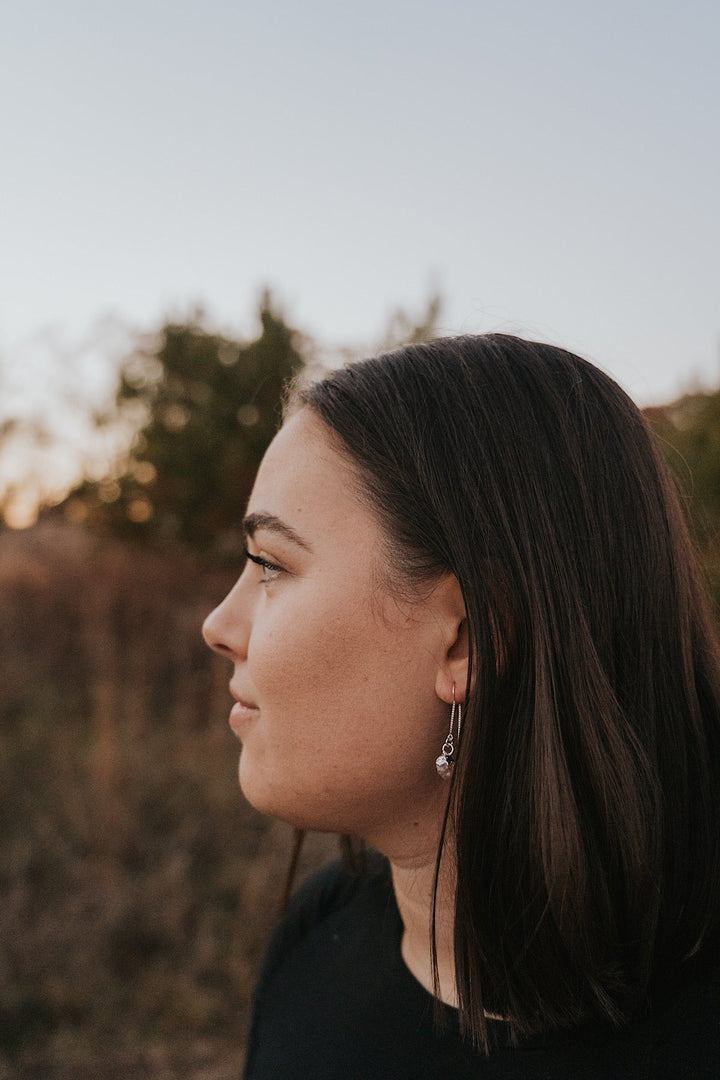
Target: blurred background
x,y
196,203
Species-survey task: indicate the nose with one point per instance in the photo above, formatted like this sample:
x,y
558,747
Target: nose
x,y
226,629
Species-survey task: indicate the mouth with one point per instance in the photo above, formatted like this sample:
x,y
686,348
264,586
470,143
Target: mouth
x,y
242,713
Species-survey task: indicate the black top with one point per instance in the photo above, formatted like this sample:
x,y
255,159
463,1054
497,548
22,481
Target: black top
x,y
335,1001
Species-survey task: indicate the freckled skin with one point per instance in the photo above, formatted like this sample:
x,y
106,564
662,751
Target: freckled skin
x,y
350,684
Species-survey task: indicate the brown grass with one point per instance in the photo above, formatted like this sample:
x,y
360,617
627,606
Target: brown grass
x,y
138,889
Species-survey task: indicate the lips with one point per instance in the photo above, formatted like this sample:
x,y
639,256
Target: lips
x,y
242,713
241,699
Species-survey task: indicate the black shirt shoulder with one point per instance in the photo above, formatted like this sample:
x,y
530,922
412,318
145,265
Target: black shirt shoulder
x,y
325,893
335,1000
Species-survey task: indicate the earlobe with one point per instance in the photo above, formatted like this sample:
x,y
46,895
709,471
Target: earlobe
x,y
453,671
454,665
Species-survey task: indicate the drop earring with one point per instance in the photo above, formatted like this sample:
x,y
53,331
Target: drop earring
x,y
446,762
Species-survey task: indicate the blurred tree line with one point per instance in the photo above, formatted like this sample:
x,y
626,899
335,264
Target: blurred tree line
x,y
205,406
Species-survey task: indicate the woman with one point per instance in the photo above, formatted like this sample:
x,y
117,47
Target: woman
x,y
471,632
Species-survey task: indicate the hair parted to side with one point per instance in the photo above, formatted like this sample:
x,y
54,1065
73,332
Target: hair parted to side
x,y
584,804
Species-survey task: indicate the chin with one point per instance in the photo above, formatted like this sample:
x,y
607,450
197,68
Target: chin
x,y
302,811
265,796
252,787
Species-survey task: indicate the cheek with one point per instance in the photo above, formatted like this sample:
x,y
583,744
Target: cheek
x,y
309,749
348,720
297,651
349,686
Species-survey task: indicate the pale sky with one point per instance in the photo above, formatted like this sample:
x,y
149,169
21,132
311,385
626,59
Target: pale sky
x,y
554,168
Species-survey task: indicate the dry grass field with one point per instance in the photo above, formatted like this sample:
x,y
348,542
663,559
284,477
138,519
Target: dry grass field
x,y
138,889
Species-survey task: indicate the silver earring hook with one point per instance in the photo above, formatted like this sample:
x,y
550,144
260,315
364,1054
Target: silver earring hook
x,y
452,713
446,762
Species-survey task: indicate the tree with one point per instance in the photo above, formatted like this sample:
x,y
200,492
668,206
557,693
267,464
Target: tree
x,y
689,429
204,408
404,328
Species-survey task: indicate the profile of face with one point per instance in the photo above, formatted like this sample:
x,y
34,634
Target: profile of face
x,y
341,685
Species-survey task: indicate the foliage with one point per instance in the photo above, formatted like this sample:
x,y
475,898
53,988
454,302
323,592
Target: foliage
x,y
689,430
208,407
406,329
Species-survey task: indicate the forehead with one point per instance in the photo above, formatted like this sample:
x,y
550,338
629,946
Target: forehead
x,y
305,479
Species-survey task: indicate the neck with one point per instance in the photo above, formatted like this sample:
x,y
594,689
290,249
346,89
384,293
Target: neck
x,y
414,882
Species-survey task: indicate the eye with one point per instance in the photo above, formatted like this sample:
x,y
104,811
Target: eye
x,y
270,570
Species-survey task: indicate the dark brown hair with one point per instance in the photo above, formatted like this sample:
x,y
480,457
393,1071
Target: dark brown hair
x,y
584,802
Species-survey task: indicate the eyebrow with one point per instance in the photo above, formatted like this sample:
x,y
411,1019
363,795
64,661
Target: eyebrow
x,y
260,520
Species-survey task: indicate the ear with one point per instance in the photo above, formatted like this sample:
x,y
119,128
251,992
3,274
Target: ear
x,y
455,650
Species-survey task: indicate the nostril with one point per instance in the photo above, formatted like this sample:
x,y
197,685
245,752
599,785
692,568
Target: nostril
x,y
224,650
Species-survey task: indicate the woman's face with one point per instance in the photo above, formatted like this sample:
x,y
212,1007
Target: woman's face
x,y
336,678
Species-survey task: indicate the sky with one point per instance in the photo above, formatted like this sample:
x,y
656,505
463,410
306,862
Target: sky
x,y
553,169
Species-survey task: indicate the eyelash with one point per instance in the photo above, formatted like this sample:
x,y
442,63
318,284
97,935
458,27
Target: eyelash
x,y
267,567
